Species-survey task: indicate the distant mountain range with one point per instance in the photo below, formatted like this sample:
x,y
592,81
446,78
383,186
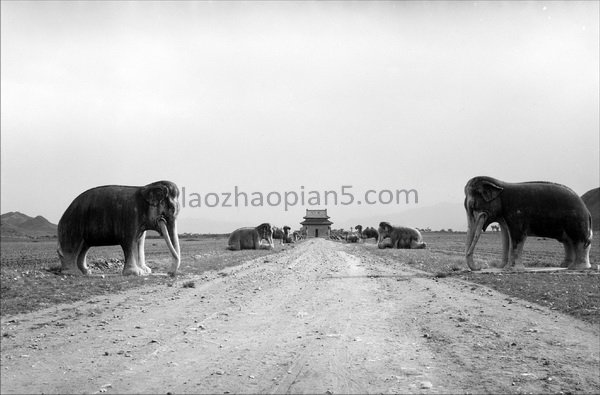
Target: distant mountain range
x,y
20,226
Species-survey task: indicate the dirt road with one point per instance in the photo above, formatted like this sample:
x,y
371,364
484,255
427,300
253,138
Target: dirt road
x,y
322,317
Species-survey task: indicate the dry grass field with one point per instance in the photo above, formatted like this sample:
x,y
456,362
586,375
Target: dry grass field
x,y
29,280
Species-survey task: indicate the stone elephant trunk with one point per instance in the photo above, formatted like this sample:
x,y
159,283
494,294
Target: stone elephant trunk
x,y
475,227
170,233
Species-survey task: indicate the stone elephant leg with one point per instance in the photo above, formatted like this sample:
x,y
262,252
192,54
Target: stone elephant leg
x,y
506,243
516,260
68,262
569,253
142,255
82,258
131,251
74,261
582,256
68,259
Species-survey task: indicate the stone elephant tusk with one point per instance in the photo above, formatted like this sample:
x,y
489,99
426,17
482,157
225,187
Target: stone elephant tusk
x,y
175,250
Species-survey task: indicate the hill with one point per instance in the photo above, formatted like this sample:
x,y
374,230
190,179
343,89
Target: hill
x,y
18,225
592,200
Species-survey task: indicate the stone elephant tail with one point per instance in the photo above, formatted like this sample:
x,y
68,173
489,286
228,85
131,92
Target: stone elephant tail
x,y
61,255
588,241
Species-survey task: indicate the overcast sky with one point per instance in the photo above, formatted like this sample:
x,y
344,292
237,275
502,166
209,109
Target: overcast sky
x,y
276,96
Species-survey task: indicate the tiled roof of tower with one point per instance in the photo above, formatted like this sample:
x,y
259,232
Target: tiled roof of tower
x,y
316,214
316,221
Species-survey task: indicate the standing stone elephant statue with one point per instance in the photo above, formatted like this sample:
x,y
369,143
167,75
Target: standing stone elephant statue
x,y
400,236
251,238
542,209
119,215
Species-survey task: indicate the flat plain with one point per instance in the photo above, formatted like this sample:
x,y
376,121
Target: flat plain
x,y
313,317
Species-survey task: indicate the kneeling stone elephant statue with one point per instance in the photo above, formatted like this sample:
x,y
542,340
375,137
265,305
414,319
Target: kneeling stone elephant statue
x,y
542,209
119,215
400,236
251,238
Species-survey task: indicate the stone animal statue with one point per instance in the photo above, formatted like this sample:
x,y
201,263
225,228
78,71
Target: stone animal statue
x,y
361,232
119,215
287,238
400,236
352,237
296,236
370,232
538,208
278,234
592,201
251,238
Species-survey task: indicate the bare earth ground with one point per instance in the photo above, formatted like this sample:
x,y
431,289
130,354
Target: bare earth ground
x,y
320,317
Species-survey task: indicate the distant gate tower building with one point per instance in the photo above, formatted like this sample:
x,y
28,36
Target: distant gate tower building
x,y
316,223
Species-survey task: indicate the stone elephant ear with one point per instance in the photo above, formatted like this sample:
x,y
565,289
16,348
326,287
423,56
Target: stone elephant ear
x,y
490,191
385,225
155,194
264,227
